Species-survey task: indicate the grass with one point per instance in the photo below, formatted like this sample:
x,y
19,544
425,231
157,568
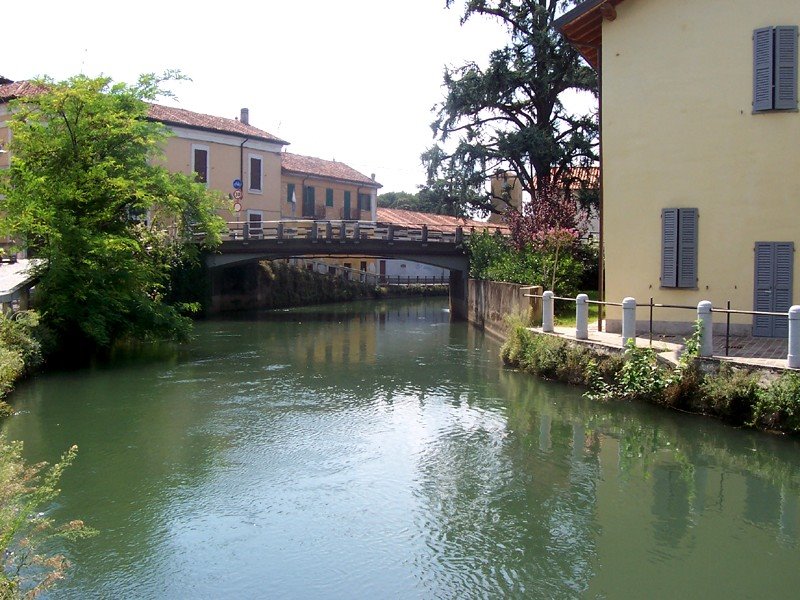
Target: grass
x,y
565,311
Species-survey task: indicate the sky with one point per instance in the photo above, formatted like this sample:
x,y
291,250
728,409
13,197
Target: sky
x,y
350,80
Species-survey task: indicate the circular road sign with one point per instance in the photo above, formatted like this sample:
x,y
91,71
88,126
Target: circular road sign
x,y
237,207
237,184
237,194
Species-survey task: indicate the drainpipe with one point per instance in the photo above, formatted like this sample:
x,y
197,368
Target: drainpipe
x,y
241,161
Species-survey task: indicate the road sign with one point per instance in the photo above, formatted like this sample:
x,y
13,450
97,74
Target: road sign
x,y
237,194
237,184
237,207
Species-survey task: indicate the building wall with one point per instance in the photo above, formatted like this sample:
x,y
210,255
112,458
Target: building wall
x,y
227,161
679,132
320,185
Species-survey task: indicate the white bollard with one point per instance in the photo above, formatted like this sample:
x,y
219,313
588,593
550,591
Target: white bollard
x,y
582,317
706,326
793,359
547,312
628,320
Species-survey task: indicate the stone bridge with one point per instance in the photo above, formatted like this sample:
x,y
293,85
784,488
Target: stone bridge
x,y
261,240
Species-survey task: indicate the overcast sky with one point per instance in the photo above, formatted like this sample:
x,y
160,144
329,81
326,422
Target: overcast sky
x,y
352,80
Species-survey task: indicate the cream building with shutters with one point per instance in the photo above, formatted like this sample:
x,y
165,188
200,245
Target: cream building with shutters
x,y
700,153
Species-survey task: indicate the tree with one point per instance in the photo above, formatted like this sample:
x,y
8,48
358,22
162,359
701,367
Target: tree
x,y
509,115
428,200
85,193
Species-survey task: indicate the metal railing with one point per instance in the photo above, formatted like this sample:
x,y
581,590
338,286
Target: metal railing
x,y
703,310
343,230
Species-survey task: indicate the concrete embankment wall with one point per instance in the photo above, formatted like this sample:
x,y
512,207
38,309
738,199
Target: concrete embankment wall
x,y
488,303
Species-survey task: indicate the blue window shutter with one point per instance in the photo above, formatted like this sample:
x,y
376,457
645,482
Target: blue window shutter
x,y
669,247
762,324
786,67
782,294
328,197
687,247
762,69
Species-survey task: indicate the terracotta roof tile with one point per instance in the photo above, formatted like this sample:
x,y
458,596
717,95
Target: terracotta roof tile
x,y
18,89
411,218
170,115
308,165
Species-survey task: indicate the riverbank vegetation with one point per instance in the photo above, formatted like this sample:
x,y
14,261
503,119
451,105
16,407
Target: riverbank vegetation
x,y
735,395
25,491
566,268
24,342
85,193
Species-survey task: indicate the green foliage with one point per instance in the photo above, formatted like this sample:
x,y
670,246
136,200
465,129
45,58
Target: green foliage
x,y
495,258
550,357
778,407
21,336
83,176
508,114
26,491
731,394
428,200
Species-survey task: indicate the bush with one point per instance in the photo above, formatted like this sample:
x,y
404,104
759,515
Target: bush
x,y
25,491
778,407
731,394
494,258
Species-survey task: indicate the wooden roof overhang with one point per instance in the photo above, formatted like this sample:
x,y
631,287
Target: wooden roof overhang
x,y
583,27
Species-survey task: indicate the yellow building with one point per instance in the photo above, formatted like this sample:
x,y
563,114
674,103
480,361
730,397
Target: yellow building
x,y
313,188
700,153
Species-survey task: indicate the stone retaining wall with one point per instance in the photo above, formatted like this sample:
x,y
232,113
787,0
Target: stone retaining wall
x,y
488,303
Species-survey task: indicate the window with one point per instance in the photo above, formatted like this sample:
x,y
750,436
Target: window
x,y
290,197
679,247
255,174
200,163
309,202
328,197
775,68
364,202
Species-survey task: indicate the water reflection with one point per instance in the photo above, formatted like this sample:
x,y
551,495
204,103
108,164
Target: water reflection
x,y
376,450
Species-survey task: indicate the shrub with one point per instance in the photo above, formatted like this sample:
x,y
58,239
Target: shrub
x,y
778,407
26,490
731,394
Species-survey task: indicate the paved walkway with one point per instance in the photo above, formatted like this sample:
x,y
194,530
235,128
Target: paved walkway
x,y
745,350
14,277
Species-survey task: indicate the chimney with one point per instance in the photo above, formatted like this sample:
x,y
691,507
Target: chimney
x,y
372,176
245,118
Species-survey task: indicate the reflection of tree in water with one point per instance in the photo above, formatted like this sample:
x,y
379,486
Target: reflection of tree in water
x,y
492,535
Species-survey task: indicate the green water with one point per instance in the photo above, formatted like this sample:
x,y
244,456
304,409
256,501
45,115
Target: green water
x,y
377,451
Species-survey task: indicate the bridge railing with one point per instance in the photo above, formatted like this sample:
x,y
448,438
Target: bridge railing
x,y
345,230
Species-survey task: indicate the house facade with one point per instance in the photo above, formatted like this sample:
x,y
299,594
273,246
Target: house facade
x,y
314,188
700,154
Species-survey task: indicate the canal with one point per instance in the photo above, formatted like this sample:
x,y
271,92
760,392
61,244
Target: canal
x,y
377,451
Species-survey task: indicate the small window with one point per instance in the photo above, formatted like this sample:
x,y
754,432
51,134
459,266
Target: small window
x,y
775,68
679,247
328,197
364,202
200,163
255,174
290,197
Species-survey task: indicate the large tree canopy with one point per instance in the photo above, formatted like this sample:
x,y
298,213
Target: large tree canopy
x,y
84,191
509,116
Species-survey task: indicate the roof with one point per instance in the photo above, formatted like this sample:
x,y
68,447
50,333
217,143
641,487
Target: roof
x,y
583,26
412,218
318,167
170,115
18,89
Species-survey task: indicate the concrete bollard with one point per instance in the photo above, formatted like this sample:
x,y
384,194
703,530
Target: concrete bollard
x,y
582,317
793,359
706,326
547,311
628,320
